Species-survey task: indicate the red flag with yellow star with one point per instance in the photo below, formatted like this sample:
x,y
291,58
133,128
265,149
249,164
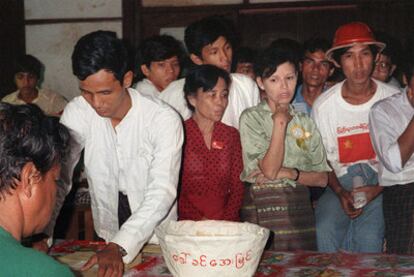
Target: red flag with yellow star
x,y
355,148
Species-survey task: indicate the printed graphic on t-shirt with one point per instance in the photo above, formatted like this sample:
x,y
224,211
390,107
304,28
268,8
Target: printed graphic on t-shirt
x,y
355,148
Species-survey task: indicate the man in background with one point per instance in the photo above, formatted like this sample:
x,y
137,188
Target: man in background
x,y
158,64
211,41
315,70
27,73
387,61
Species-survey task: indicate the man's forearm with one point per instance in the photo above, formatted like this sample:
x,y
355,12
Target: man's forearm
x,y
333,183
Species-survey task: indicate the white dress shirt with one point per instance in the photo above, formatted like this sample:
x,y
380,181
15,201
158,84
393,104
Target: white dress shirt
x,y
388,119
243,94
146,87
141,156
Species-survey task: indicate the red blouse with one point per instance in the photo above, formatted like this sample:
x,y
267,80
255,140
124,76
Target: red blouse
x,y
210,184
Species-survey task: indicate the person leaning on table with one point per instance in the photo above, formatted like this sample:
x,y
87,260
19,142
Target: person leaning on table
x,y
132,149
32,146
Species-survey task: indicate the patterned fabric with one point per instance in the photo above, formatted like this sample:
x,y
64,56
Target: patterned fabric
x,y
286,211
278,263
211,187
282,208
398,205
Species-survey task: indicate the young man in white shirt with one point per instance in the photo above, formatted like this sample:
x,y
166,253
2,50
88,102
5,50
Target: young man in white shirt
x,y
158,64
210,41
391,123
132,149
341,114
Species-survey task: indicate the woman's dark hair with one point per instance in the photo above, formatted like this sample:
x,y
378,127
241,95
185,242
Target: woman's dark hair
x,y
100,50
28,135
204,77
273,56
337,54
28,64
206,31
157,48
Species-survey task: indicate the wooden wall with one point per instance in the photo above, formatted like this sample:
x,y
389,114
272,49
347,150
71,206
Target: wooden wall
x,y
258,24
261,23
12,43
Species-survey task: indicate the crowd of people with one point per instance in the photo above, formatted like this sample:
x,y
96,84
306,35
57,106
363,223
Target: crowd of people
x,y
314,142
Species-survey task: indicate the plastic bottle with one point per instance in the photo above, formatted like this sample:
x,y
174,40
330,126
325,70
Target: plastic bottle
x,y
360,198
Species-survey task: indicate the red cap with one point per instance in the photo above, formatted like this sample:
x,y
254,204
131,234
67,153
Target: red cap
x,y
350,34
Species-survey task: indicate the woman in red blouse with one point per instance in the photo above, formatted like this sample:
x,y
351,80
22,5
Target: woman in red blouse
x,y
212,160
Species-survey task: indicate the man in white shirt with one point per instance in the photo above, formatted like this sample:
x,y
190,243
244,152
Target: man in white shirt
x,y
391,123
132,149
158,64
341,114
210,41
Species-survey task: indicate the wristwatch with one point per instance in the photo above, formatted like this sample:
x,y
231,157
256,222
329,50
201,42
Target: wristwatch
x,y
122,251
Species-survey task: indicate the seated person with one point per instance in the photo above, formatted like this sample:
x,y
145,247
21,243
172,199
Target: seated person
x,y
26,77
32,147
212,162
283,154
158,61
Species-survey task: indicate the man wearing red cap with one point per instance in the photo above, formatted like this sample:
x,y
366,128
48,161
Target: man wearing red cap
x,y
341,114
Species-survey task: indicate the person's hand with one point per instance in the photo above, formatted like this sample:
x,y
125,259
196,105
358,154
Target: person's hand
x,y
347,201
109,261
41,245
281,116
260,178
288,173
371,192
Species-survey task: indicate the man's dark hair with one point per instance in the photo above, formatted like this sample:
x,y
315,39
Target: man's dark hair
x,y
393,48
204,77
288,44
206,31
100,50
337,54
28,64
155,49
244,55
272,57
315,44
28,135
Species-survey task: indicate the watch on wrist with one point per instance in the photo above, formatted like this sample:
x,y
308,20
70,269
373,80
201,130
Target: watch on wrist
x,y
122,251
